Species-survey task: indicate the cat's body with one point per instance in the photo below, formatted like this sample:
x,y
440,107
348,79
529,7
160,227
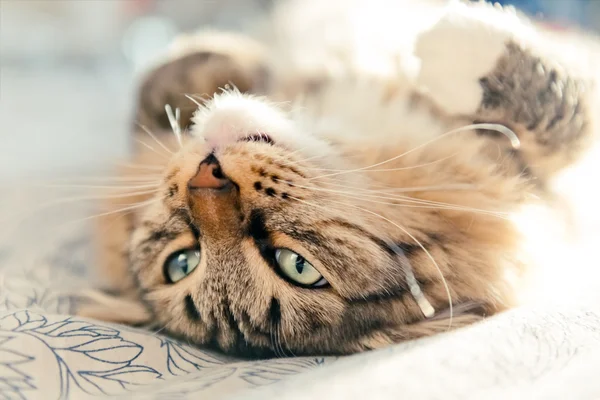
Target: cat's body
x,y
359,213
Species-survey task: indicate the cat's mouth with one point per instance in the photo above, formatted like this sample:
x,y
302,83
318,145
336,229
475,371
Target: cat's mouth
x,y
258,137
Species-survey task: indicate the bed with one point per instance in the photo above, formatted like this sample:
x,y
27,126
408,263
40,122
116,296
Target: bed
x,y
46,353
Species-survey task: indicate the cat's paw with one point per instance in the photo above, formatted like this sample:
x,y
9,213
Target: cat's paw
x,y
463,46
199,65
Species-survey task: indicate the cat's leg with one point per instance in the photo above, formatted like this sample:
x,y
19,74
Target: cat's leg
x,y
199,65
487,64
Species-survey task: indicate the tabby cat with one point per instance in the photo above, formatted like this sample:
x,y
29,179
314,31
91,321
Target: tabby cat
x,y
342,183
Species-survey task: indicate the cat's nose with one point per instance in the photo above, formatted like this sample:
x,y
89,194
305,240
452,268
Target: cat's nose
x,y
209,176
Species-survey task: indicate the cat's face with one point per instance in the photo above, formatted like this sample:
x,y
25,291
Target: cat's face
x,y
264,239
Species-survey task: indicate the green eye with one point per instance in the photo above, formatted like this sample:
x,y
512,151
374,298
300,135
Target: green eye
x,y
181,263
296,268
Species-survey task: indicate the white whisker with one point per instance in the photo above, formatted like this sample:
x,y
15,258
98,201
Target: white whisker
x,y
140,166
194,101
77,186
174,121
146,145
411,200
392,169
169,151
116,179
514,140
132,207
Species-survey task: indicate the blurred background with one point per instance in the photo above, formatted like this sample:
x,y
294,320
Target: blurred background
x,y
68,68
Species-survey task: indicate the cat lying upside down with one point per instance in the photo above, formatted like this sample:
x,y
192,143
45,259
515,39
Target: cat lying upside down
x,y
335,196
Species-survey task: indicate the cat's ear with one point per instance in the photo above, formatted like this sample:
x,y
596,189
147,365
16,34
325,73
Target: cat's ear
x,y
198,66
123,309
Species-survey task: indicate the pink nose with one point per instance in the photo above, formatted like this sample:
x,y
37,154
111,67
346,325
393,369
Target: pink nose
x,y
209,175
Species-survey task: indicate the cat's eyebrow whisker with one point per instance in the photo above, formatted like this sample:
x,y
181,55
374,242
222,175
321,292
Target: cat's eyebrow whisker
x,y
417,242
494,127
161,144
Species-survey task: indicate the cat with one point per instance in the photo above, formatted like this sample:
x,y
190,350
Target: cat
x,y
346,182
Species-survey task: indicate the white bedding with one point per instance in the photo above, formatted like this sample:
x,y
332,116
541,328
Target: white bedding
x,y
47,354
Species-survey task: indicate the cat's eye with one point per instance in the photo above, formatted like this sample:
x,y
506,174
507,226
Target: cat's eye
x,y
181,263
297,269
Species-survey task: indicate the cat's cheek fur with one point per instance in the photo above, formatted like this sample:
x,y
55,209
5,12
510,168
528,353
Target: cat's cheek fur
x,y
464,33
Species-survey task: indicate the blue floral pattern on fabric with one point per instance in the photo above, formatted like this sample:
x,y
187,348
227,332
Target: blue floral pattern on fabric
x,y
46,353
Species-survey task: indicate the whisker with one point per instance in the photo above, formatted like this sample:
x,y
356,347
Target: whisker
x,y
132,207
169,151
278,336
146,145
78,186
273,343
129,178
140,166
284,344
31,213
422,203
514,140
174,121
194,101
391,169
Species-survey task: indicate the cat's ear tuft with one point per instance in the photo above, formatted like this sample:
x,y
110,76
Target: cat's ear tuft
x,y
111,308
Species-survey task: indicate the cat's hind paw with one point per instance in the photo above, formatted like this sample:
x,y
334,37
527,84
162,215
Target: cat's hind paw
x,y
463,46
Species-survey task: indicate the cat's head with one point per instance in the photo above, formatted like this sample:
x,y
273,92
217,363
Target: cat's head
x,y
264,238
